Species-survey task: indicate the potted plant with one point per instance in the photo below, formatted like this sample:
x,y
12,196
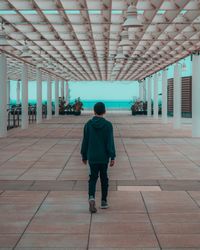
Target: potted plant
x,y
137,107
78,106
62,105
69,109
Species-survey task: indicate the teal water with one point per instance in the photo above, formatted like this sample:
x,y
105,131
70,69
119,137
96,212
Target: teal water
x,y
30,101
89,104
110,104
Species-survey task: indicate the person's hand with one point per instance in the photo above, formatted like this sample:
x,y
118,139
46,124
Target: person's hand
x,y
112,163
84,162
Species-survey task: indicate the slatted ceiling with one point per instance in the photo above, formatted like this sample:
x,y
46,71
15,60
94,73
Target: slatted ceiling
x,y
60,28
15,66
159,16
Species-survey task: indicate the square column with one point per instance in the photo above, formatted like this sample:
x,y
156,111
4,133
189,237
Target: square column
x,y
49,98
149,106
18,92
24,96
56,97
140,90
8,93
145,90
164,96
62,89
67,93
39,95
155,103
3,95
65,90
195,96
177,97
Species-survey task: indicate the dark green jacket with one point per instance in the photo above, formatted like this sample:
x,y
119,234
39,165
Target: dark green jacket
x,y
98,142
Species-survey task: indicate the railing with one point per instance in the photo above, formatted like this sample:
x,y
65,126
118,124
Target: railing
x,y
13,117
32,114
44,111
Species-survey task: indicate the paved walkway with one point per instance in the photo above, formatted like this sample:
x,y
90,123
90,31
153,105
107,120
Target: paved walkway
x,y
154,188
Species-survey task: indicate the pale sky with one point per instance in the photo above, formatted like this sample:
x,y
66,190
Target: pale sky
x,y
104,90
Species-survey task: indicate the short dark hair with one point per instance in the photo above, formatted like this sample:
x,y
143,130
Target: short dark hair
x,y
99,108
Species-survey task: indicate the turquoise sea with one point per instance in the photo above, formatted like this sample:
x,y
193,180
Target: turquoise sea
x,y
88,104
113,104
110,104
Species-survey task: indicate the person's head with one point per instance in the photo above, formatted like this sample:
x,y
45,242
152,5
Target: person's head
x,y
99,108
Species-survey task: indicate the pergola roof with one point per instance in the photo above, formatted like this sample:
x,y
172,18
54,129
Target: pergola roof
x,y
14,70
81,37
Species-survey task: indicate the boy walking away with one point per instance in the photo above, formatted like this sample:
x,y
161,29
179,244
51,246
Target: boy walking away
x,y
98,149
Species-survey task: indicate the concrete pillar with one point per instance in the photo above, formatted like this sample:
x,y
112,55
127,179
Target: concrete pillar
x,y
164,96
140,90
39,95
149,98
145,90
56,97
195,96
65,90
49,98
62,89
67,93
8,93
3,95
177,96
155,102
18,92
24,96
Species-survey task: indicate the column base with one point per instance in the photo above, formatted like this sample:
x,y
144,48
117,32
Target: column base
x,y
24,127
38,121
195,133
177,124
3,135
49,117
165,121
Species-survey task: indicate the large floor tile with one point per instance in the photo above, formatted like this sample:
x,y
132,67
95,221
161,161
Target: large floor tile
x,y
53,240
169,202
179,240
122,240
121,228
8,240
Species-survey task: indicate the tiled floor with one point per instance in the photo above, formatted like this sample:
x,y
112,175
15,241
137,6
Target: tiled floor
x,y
43,188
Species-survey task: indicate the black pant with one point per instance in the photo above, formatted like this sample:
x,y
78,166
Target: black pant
x,y
94,174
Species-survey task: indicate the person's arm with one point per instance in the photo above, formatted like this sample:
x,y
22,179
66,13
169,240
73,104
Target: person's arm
x,y
111,146
84,146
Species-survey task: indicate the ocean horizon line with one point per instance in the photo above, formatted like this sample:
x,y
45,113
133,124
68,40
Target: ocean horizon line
x,y
89,104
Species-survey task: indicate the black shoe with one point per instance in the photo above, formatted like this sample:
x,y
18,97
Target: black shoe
x,y
104,205
92,207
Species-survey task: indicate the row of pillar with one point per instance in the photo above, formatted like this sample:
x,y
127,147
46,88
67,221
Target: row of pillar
x,y
5,95
142,92
177,98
